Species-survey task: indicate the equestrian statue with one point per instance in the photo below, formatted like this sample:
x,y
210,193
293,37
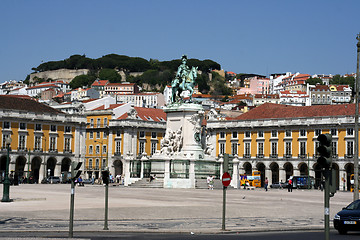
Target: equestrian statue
x,y
183,81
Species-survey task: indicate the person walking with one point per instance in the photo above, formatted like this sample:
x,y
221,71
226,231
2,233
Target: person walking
x,y
266,184
290,185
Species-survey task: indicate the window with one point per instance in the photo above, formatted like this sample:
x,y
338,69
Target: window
x,y
247,149
260,134
118,147
22,140
90,164
37,127
53,128
97,163
274,148
142,134
349,131
141,147
118,133
98,122
37,143
288,148
234,147
67,145
153,148
334,148
153,135
222,134
6,125
302,148
22,126
103,163
302,133
104,149
91,135
234,134
247,134
67,129
261,148
350,147
98,135
91,122
333,132
52,144
317,132
274,133
222,148
288,133
104,134
105,122
91,149
97,149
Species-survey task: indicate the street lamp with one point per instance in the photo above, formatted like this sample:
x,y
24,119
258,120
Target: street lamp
x,y
356,159
6,189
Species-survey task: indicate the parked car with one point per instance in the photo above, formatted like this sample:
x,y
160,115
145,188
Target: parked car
x,y
51,180
279,185
348,219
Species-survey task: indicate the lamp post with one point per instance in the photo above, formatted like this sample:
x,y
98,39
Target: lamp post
x,y
356,159
6,189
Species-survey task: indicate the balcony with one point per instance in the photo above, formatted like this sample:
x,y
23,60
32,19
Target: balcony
x,y
274,156
288,155
117,153
38,150
22,149
259,155
302,156
349,155
246,156
53,151
67,151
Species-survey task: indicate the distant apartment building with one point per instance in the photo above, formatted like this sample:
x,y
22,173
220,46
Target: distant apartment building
x,y
148,100
99,85
121,88
255,85
330,94
295,98
259,99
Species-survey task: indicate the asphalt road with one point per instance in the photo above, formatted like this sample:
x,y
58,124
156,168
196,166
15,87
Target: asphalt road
x,y
39,207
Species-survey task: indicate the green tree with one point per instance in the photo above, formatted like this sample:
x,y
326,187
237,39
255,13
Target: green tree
x,y
82,81
110,74
314,81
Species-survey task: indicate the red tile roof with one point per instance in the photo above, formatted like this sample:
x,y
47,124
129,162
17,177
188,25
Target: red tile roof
x,y
100,82
12,102
112,106
147,114
279,111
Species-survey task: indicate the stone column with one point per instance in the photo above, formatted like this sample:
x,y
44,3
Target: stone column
x,y
221,160
57,171
235,182
268,174
192,173
282,175
342,176
127,170
166,172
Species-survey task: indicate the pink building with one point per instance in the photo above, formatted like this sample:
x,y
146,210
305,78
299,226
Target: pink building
x,y
255,85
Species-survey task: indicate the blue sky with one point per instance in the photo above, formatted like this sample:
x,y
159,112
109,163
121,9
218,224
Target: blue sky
x,y
257,36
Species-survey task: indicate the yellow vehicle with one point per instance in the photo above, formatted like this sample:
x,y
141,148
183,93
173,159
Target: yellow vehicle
x,y
352,182
253,181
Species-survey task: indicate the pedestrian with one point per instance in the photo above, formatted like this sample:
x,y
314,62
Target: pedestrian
x,y
266,184
290,185
211,183
208,181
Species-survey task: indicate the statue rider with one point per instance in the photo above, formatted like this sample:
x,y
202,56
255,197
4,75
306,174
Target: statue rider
x,y
183,71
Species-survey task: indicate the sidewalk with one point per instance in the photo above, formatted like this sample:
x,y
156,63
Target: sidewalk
x,y
39,207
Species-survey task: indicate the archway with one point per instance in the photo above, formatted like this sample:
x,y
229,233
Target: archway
x,y
274,167
2,167
349,168
289,170
261,167
303,169
118,166
317,170
247,168
50,166
19,169
35,170
336,168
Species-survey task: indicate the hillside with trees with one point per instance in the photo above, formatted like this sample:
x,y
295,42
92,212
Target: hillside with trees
x,y
154,74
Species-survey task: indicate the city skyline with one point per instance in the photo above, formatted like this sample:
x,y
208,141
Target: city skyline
x,y
260,37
